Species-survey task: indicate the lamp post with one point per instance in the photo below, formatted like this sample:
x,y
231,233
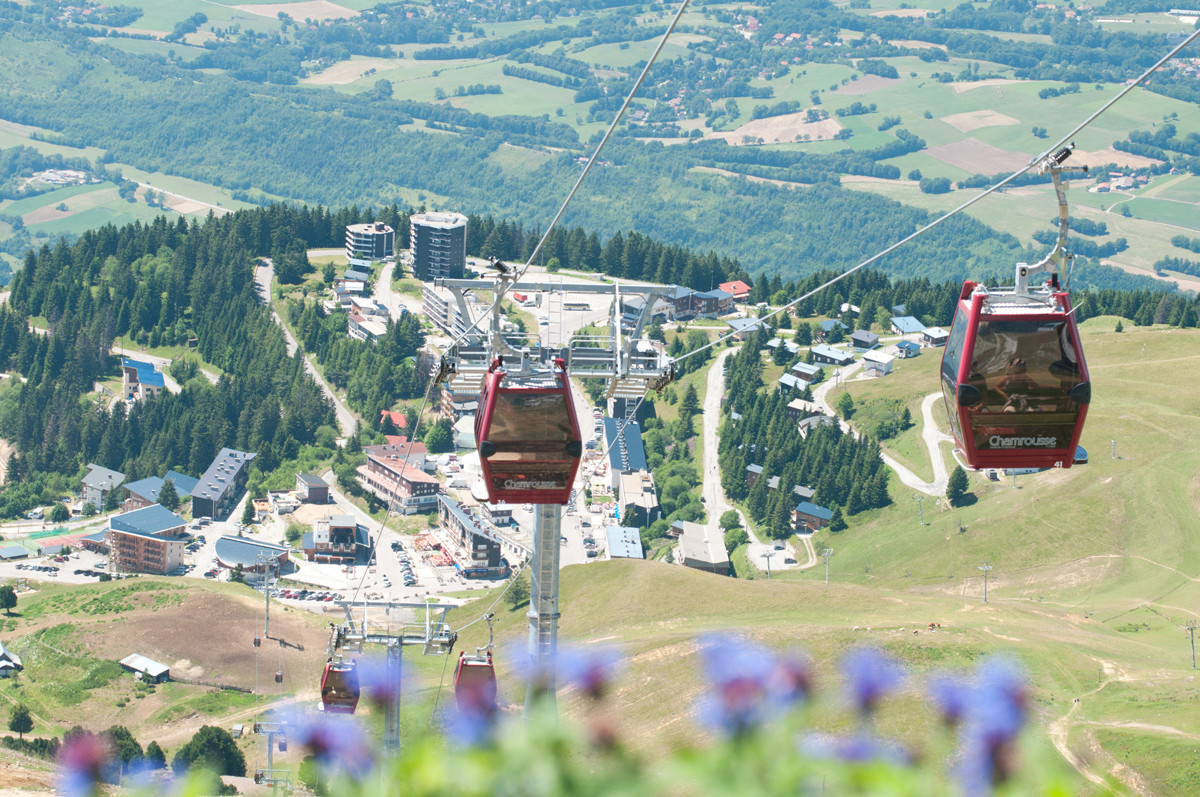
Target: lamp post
x,y
1190,626
827,552
768,556
985,567
920,509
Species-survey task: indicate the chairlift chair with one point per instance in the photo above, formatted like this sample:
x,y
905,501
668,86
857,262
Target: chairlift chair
x,y
527,436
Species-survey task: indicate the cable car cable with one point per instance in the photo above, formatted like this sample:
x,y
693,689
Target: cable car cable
x,y
989,190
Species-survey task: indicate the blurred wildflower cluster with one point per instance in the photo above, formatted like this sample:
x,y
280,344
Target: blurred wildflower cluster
x,y
758,708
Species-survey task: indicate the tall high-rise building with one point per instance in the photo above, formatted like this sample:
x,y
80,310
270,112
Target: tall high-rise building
x,y
368,242
439,245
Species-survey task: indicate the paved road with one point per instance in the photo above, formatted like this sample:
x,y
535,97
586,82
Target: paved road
x,y
933,438
394,300
264,275
929,433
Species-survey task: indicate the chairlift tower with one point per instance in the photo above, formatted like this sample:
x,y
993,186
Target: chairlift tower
x,y
271,776
421,624
630,364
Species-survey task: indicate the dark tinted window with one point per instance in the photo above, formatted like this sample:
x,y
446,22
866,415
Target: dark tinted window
x,y
526,417
1024,371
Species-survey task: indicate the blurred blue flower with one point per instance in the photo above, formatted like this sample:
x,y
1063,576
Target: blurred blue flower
x,y
337,741
995,715
740,672
590,670
467,726
82,761
870,675
952,697
857,749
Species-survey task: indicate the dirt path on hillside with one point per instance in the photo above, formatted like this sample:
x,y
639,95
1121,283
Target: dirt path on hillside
x,y
6,451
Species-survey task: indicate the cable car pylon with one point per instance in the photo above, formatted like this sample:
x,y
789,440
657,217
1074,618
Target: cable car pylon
x,y
524,390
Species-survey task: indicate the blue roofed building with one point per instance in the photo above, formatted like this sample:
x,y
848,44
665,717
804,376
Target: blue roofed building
x,y
624,542
139,380
745,327
809,516
626,454
907,349
147,540
477,551
828,325
907,325
145,492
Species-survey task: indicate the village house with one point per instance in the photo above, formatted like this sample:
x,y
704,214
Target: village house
x,y
738,289
877,363
145,492
337,539
827,355
935,336
98,483
862,340
808,516
907,325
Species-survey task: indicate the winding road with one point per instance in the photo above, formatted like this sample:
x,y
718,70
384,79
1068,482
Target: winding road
x,y
264,275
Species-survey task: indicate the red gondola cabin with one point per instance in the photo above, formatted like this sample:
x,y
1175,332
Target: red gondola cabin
x,y
1014,378
528,439
339,687
475,684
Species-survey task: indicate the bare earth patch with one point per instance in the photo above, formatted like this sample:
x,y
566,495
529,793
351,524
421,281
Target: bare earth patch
x,y
6,451
973,120
1102,157
317,10
913,44
778,129
344,72
960,88
866,84
973,156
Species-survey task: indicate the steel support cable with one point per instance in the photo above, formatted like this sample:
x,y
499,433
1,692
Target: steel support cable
x,y
989,190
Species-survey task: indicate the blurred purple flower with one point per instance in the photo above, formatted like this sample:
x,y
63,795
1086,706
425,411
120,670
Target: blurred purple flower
x,y
466,726
952,697
376,680
590,670
791,679
82,761
870,675
337,741
858,749
750,684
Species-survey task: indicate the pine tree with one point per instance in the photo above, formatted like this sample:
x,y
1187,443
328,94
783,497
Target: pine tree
x,y
248,512
956,486
19,721
167,496
837,522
